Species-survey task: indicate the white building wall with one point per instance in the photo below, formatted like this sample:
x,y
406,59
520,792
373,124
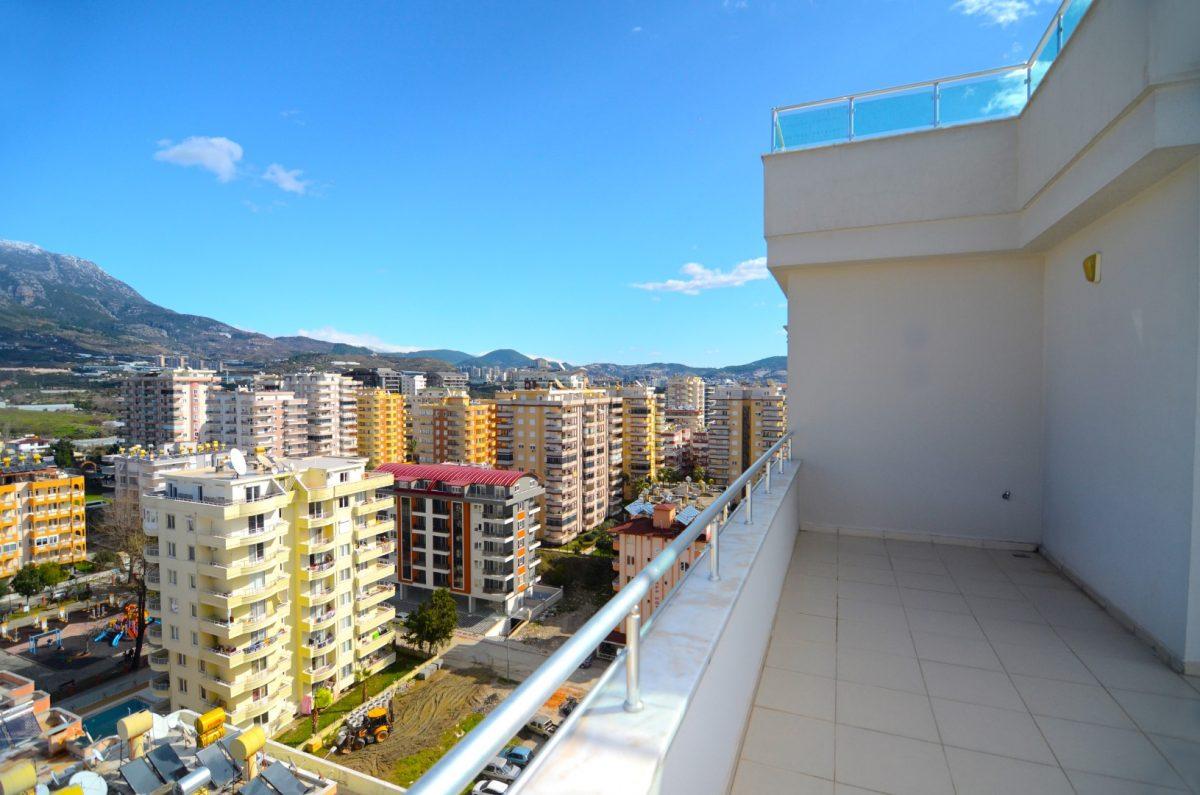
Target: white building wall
x,y
915,388
1121,407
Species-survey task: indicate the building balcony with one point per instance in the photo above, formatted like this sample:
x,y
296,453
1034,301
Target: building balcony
x,y
160,660
366,530
375,594
367,645
316,571
367,552
239,597
233,629
315,598
314,623
160,686
318,673
316,546
233,656
366,620
373,573
243,537
373,504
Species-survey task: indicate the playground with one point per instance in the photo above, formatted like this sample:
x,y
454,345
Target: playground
x,y
74,640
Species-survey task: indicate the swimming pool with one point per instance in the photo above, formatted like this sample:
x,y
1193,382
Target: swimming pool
x,y
104,723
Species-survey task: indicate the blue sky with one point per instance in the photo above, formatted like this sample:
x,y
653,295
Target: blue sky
x,y
445,174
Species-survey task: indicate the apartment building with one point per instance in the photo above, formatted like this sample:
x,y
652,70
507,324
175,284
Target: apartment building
x,y
384,378
251,418
137,469
744,421
448,379
565,438
41,514
647,532
271,580
331,402
641,451
166,406
686,400
470,529
382,432
448,426
411,383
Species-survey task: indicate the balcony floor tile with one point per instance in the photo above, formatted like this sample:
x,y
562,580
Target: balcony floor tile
x,y
907,667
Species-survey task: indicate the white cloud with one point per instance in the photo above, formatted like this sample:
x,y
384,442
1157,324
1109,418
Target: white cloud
x,y
330,334
700,278
293,116
636,29
997,12
218,155
1010,96
287,180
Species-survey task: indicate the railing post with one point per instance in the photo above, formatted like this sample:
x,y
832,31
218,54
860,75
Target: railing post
x,y
851,120
633,639
767,477
937,104
714,552
749,503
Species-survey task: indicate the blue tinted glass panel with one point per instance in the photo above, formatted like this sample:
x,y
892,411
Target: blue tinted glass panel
x,y
992,96
820,124
892,113
1071,16
1041,64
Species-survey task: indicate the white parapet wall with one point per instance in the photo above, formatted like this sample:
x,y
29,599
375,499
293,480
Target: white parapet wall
x,y
701,659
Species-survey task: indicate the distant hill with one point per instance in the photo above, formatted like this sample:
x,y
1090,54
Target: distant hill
x,y
55,305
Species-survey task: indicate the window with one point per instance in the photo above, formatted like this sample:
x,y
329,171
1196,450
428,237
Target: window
x,y
343,575
170,549
343,502
347,646
192,581
170,521
346,598
172,577
193,610
263,719
195,637
346,622
191,525
182,684
344,476
344,550
174,632
347,670
256,522
181,659
173,604
192,556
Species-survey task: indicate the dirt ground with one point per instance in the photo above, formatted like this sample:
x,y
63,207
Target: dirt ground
x,y
553,631
425,712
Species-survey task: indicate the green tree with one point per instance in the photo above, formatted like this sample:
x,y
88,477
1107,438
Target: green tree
x,y
698,474
52,574
322,699
4,587
668,475
105,559
64,453
640,485
361,675
433,623
28,581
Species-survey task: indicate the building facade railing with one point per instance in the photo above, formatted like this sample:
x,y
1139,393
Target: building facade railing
x,y
458,768
963,99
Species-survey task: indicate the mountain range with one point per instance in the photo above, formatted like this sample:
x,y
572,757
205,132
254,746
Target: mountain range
x,y
57,308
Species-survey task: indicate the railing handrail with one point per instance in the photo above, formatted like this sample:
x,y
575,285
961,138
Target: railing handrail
x,y
461,764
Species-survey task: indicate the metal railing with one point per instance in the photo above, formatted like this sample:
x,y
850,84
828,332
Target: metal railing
x,y
462,763
963,99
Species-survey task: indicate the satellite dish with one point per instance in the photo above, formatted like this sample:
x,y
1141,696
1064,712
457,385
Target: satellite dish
x,y
237,461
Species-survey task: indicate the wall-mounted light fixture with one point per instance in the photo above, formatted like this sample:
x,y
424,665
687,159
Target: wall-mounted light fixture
x,y
1091,267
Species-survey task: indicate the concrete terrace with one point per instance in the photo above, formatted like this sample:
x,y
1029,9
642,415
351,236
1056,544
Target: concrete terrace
x,y
903,667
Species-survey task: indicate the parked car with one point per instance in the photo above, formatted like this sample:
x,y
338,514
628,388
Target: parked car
x,y
541,725
489,787
588,660
568,706
501,769
519,755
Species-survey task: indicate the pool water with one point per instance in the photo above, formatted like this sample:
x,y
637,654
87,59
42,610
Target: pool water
x,y
104,723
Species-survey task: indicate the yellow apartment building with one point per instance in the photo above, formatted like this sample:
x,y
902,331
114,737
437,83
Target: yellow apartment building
x,y
565,438
270,582
382,433
641,446
41,514
448,426
744,421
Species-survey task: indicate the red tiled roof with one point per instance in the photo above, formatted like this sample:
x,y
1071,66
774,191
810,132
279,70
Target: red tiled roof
x,y
454,474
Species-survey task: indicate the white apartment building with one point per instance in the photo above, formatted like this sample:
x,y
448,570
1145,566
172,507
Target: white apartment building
x,y
166,406
686,401
331,403
252,418
270,582
565,438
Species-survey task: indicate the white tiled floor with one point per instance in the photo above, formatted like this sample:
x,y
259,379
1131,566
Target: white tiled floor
x,y
901,667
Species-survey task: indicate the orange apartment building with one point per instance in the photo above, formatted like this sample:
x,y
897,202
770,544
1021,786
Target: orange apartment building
x,y
41,515
647,533
467,528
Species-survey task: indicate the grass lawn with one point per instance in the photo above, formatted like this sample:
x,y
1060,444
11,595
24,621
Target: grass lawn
x,y
404,663
410,768
56,424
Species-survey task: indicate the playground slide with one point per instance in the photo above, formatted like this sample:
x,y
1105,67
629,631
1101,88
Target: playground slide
x,y
117,639
103,636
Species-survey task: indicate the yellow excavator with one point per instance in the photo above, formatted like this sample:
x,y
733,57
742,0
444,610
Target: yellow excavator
x,y
374,727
